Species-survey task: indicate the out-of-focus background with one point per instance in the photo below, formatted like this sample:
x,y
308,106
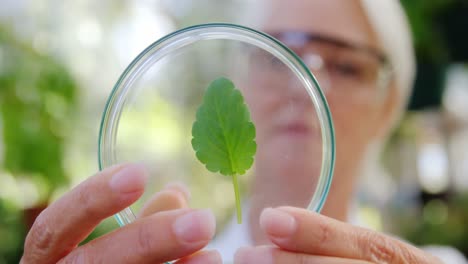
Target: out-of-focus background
x,y
60,59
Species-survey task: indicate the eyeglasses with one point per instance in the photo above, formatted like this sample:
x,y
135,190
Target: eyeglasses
x,y
343,68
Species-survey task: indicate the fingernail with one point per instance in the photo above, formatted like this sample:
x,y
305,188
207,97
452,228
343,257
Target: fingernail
x,y
195,226
247,255
179,187
130,178
278,223
206,257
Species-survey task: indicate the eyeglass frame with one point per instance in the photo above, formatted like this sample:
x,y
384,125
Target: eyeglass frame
x,y
385,72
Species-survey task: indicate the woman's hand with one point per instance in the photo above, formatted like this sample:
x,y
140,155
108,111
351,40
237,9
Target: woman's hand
x,y
304,237
159,235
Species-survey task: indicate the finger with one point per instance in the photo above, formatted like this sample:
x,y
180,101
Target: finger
x,y
173,196
157,238
181,187
274,255
65,223
202,257
307,232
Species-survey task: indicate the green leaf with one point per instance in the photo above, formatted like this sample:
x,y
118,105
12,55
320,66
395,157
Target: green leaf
x,y
223,134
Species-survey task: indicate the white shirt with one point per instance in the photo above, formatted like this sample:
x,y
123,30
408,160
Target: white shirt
x,y
235,236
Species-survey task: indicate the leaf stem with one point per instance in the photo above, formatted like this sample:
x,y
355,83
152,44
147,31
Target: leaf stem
x,y
237,194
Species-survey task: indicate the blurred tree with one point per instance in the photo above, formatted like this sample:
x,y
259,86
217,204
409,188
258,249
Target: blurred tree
x,y
453,21
439,39
37,99
427,33
440,223
37,102
12,232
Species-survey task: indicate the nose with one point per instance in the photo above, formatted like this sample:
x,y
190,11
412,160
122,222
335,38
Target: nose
x,y
297,94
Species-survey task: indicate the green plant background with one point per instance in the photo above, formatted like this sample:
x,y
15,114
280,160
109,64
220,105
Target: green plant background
x,y
40,118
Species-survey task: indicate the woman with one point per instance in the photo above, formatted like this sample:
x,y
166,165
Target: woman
x,y
350,46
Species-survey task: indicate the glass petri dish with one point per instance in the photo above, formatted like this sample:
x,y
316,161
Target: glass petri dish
x,y
150,114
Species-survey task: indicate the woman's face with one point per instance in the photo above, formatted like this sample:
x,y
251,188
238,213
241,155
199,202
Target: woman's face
x,y
334,38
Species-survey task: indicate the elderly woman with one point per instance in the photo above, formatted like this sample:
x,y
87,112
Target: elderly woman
x,y
361,54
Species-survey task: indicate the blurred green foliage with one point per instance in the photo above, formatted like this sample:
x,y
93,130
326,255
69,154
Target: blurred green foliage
x,y
439,37
12,232
428,40
439,28
37,99
440,222
37,102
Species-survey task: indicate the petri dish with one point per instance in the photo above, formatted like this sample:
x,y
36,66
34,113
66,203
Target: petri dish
x,y
150,114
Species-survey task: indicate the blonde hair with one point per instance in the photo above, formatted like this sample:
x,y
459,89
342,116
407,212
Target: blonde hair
x,y
390,24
